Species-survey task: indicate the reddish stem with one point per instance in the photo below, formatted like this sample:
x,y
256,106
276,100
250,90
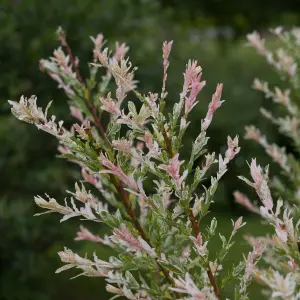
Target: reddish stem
x,y
126,202
97,122
195,225
213,283
64,42
210,274
168,142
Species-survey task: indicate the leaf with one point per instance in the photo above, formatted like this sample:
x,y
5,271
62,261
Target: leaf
x,y
171,268
113,129
64,268
223,239
213,226
132,108
131,280
111,220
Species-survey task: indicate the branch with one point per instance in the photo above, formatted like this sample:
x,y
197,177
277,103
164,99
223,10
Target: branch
x,y
96,118
210,275
167,141
64,43
195,226
123,194
126,202
194,223
212,280
97,121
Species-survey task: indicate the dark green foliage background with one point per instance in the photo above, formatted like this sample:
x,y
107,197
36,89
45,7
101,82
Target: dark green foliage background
x,y
27,157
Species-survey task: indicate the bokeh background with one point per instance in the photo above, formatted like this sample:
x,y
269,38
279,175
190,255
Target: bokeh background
x,y
211,31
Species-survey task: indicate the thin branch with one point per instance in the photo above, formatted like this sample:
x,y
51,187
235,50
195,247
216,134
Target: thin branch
x,y
167,141
126,202
210,274
64,43
212,280
195,225
97,121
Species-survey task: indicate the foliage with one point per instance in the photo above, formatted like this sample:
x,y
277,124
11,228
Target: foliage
x,y
282,255
156,232
26,34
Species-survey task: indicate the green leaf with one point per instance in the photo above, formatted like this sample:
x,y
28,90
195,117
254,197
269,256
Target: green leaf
x,y
213,227
171,268
132,108
131,280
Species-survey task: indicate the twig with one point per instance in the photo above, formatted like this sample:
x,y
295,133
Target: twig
x,y
167,141
126,202
212,280
97,121
96,118
64,42
194,223
195,226
210,274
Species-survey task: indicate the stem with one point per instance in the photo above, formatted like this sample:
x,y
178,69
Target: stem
x,y
64,42
194,223
132,214
96,118
209,272
126,202
167,141
195,226
213,282
97,122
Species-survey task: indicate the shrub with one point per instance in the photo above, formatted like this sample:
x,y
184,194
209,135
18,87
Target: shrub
x,y
25,169
282,254
119,148
153,233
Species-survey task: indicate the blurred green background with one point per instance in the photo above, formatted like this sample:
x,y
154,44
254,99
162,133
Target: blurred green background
x,y
211,31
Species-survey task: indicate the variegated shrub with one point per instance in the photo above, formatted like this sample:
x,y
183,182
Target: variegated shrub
x,y
282,254
162,248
